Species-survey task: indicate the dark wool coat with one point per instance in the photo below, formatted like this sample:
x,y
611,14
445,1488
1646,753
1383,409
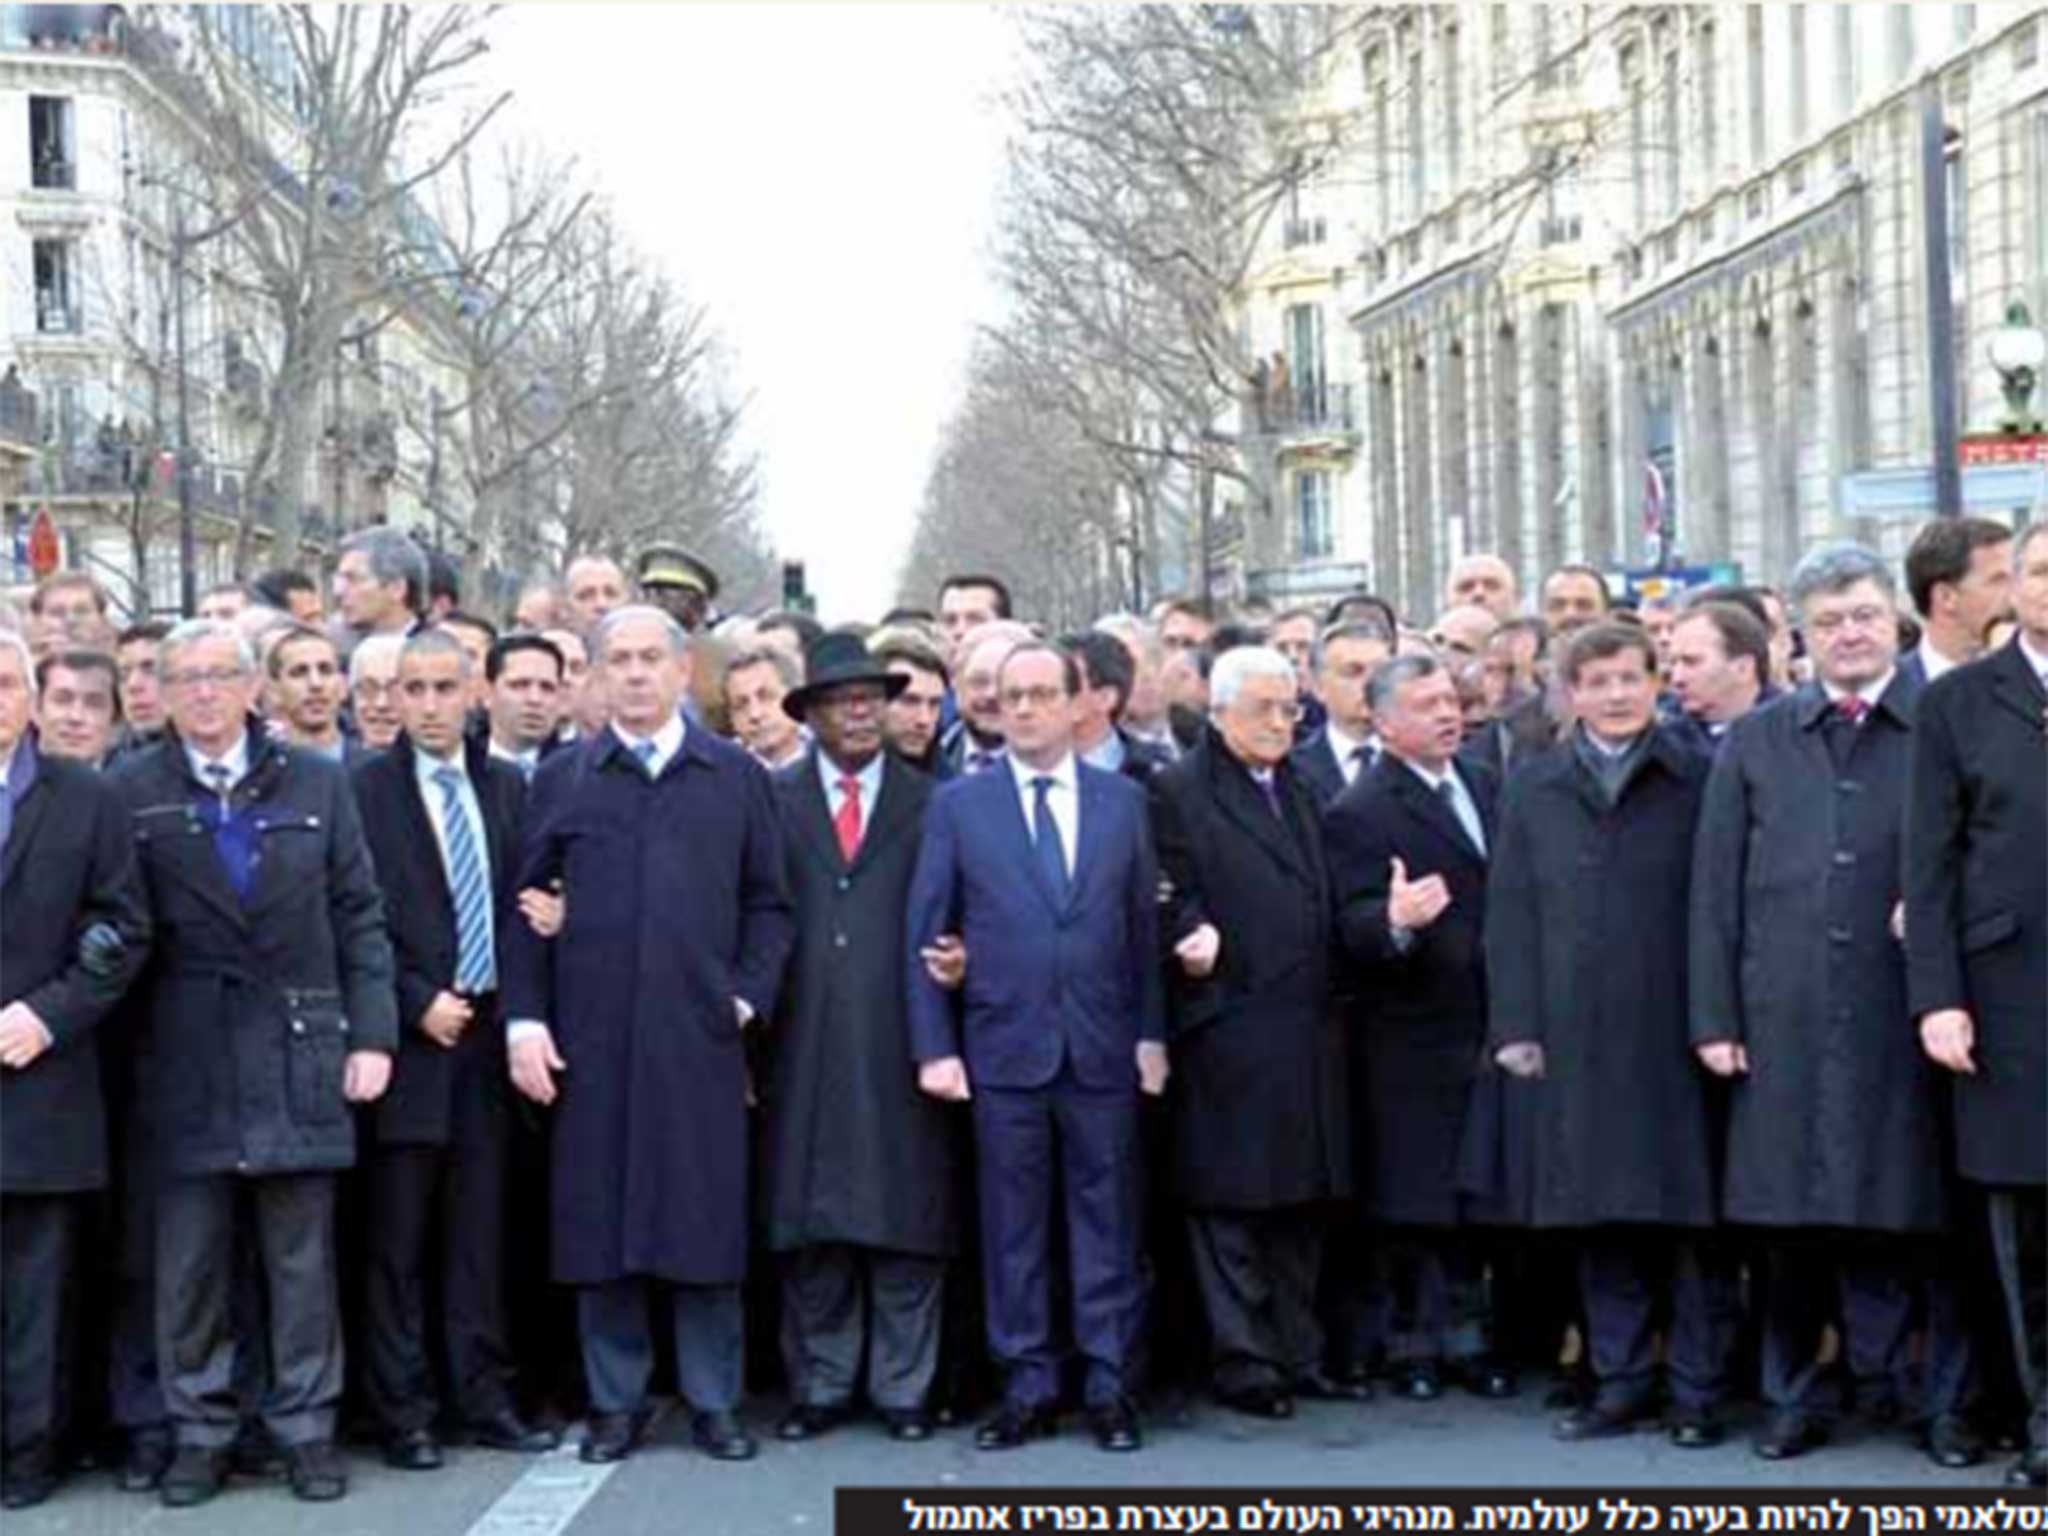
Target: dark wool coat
x,y
254,1008
69,866
1838,1122
1257,1091
417,1108
1586,955
855,1153
677,905
1977,901
1419,1014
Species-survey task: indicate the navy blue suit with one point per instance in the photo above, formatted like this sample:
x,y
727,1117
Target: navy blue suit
x,y
1057,997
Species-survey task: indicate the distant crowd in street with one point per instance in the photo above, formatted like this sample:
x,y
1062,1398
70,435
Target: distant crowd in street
x,y
427,1030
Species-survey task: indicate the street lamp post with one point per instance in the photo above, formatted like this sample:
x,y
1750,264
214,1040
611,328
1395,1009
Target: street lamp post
x,y
188,557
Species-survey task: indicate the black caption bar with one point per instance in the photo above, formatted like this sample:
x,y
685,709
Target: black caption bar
x,y
1634,1512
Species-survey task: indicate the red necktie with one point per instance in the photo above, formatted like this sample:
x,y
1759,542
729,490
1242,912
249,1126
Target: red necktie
x,y
1852,707
847,822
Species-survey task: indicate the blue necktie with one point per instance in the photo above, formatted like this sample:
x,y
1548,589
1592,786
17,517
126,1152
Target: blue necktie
x,y
1045,832
470,892
644,750
6,811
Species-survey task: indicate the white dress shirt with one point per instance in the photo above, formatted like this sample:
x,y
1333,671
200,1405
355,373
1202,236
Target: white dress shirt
x,y
1063,799
668,741
526,762
1460,798
2035,659
236,758
869,779
1932,662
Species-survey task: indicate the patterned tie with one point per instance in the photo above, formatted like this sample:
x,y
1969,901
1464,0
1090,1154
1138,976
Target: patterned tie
x,y
847,822
1045,833
475,971
978,760
217,781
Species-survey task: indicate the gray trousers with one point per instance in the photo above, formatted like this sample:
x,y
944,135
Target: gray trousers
x,y
1257,1272
615,1321
838,1299
200,1223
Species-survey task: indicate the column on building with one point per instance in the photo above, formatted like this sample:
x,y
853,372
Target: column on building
x,y
1509,434
1418,509
1550,381
1595,439
1385,465
1454,476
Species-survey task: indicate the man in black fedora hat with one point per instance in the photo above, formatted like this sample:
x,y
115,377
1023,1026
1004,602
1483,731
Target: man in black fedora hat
x,y
862,1169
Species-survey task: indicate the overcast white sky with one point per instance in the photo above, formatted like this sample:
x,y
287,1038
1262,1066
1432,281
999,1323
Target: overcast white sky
x,y
821,177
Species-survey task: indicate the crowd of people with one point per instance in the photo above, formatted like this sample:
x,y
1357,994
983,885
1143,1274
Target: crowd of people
x,y
1642,1005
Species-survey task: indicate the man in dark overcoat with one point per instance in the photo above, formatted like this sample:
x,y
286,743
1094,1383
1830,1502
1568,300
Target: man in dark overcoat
x,y
1799,1001
1408,845
1586,966
1260,1142
665,841
271,1011
1977,947
73,931
442,818
862,1169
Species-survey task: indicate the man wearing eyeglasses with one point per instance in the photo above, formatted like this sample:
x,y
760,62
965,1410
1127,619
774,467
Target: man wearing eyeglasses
x,y
1044,867
272,1012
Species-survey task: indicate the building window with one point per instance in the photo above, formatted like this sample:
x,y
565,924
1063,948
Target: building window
x,y
1499,45
1560,172
56,278
1454,107
53,163
1305,361
1795,65
1964,18
1382,136
1418,159
1710,106
1845,60
1899,41
1314,528
1753,54
1669,113
1638,129
2041,210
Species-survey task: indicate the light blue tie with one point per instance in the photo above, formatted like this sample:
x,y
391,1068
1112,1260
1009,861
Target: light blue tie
x,y
644,750
475,970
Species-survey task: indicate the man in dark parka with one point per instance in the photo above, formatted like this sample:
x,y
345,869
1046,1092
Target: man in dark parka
x,y
862,1169
73,931
1260,1142
1977,947
271,1011
1799,1000
1586,962
1409,843
666,843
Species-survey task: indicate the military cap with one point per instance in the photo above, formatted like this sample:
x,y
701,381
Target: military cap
x,y
669,565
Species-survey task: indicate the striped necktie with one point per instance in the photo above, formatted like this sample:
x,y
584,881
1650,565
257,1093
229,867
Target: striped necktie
x,y
468,889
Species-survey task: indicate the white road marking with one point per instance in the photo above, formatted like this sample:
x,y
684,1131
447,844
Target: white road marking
x,y
550,1493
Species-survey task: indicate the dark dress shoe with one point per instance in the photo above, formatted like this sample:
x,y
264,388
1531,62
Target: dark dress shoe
x,y
1595,1422
907,1423
505,1430
609,1437
1420,1382
807,1421
1325,1387
1787,1435
1013,1424
1696,1432
2030,1471
1259,1402
26,1487
1952,1442
316,1472
148,1458
719,1436
1115,1426
1487,1378
413,1450
194,1476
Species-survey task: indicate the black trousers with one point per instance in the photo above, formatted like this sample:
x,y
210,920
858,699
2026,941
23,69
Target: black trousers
x,y
1257,1271
287,1220
436,1223
1871,1282
38,1269
1434,1279
839,1300
1624,1273
2019,1243
615,1321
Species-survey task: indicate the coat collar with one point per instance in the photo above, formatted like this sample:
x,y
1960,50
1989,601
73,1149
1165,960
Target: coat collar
x,y
1240,799
2016,685
606,747
1810,702
804,790
1402,783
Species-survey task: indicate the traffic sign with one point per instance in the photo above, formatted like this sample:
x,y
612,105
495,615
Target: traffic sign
x,y
1984,448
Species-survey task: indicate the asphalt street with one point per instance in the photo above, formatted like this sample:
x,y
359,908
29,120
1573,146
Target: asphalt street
x,y
668,1488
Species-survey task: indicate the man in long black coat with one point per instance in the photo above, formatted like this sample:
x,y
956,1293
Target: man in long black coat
x,y
1799,1000
1408,854
271,1012
436,1174
1586,962
862,1169
73,931
667,844
1977,946
1260,1144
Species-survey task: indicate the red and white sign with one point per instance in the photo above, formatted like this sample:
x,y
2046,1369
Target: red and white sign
x,y
1989,448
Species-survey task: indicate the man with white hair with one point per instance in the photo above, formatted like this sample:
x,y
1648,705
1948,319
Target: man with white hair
x,y
1261,1143
272,1012
373,690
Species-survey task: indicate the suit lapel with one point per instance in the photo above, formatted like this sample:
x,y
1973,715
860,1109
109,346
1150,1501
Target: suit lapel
x,y
887,816
2016,685
1430,809
28,816
1243,802
813,817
